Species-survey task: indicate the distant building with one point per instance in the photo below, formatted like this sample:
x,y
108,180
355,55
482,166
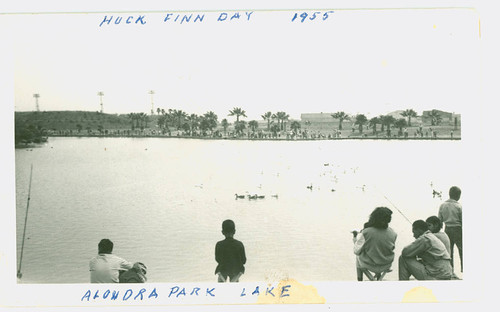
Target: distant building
x,y
457,119
447,118
317,117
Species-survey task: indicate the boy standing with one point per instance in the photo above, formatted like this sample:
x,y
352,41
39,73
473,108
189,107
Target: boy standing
x,y
450,213
230,255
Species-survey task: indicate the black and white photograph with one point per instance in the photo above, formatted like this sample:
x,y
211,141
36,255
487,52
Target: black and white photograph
x,y
219,155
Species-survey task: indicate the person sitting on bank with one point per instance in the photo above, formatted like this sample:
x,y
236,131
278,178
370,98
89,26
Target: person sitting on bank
x,y
106,267
435,225
426,258
374,245
230,255
137,274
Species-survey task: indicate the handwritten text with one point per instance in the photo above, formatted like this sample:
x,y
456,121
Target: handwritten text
x,y
304,17
116,295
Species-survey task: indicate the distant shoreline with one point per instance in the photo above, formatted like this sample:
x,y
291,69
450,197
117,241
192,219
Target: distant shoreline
x,y
242,138
32,126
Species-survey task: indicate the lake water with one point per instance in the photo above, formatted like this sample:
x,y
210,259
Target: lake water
x,y
162,201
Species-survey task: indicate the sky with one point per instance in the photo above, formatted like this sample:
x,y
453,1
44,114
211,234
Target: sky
x,y
358,61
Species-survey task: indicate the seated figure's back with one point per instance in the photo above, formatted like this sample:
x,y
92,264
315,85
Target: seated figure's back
x,y
105,268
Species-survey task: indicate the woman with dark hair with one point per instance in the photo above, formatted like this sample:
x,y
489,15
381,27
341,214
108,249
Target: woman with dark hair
x,y
374,245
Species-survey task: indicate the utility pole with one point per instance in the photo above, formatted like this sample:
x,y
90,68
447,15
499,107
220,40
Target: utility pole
x,y
152,105
101,94
36,96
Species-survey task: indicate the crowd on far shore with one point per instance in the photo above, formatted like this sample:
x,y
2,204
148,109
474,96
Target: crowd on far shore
x,y
413,133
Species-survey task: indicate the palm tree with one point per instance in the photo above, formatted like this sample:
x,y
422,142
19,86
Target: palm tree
x,y
238,112
409,113
145,117
361,120
284,119
273,118
400,123
373,124
186,127
239,126
381,120
210,120
141,117
341,116
281,117
295,126
267,116
193,122
170,119
162,121
224,123
132,117
388,120
204,125
275,129
435,117
179,116
253,125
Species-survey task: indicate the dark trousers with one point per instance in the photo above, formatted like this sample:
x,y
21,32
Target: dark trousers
x,y
455,235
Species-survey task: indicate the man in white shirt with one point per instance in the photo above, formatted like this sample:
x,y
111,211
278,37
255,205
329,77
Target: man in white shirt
x,y
106,267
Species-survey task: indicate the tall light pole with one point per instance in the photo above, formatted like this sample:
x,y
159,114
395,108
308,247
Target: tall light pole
x,y
36,96
101,94
152,105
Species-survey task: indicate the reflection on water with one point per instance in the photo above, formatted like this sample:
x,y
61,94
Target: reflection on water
x,y
162,202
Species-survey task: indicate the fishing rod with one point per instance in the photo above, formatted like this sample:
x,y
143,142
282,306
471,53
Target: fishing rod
x,y
19,274
392,204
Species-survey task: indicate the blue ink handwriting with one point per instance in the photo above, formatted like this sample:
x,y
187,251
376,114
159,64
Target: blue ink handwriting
x,y
144,294
141,19
115,295
269,291
175,18
175,291
235,16
171,17
311,16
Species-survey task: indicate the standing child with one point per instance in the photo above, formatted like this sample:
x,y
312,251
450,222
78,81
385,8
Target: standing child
x,y
230,255
450,212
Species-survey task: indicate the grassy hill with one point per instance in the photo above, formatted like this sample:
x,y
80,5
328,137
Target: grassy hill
x,y
72,120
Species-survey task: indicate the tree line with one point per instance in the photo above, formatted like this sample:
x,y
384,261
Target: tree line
x,y
276,122
208,124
